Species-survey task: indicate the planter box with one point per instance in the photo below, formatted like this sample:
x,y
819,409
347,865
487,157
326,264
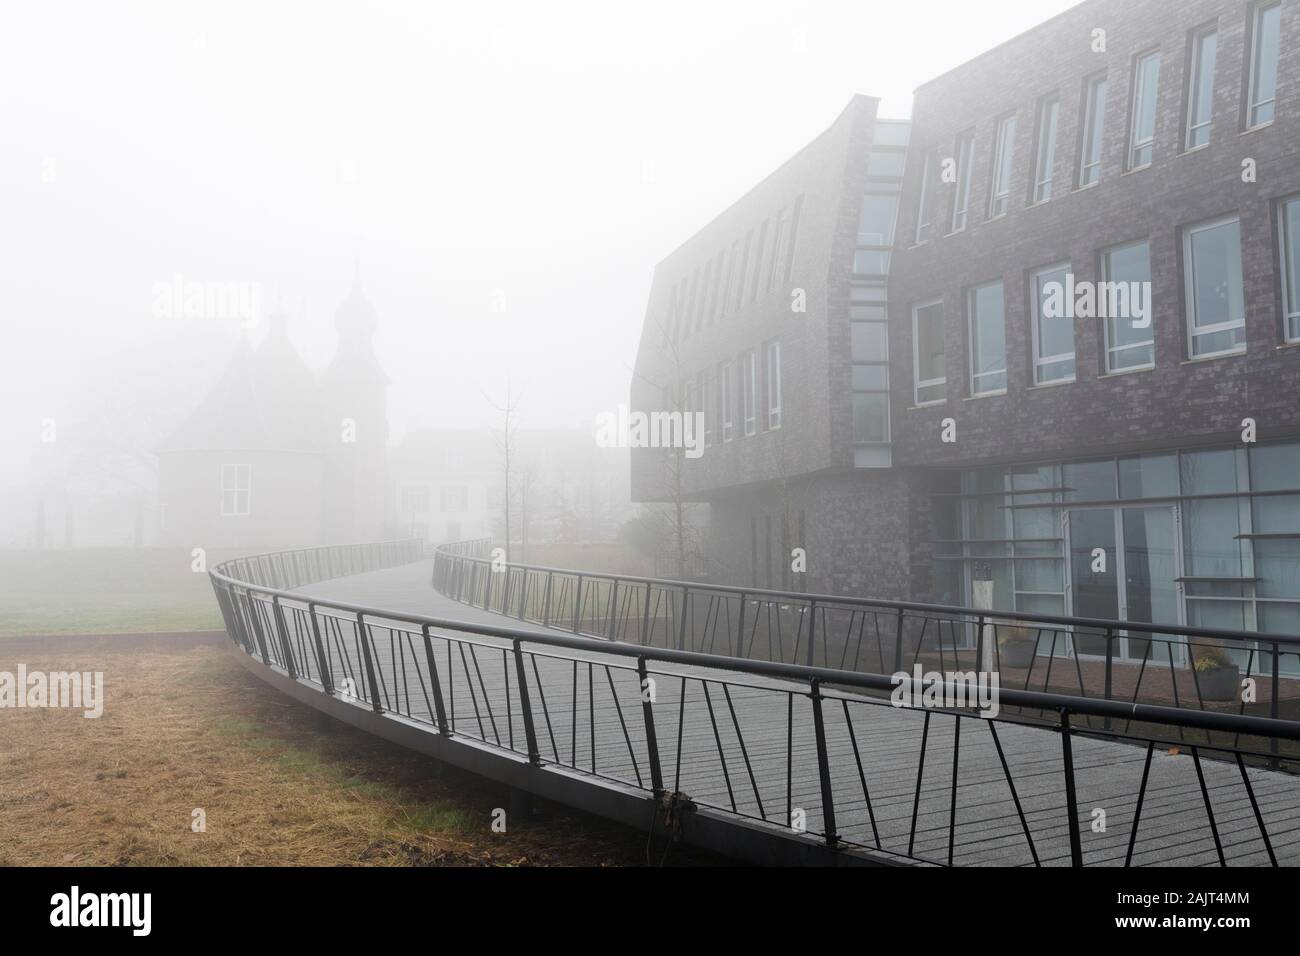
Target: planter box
x,y
1220,683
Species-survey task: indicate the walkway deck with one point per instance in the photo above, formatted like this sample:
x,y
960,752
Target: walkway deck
x,y
589,706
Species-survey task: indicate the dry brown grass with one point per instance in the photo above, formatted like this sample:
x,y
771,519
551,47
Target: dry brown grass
x,y
186,727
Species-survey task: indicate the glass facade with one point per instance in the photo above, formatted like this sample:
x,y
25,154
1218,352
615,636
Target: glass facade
x,y
1198,537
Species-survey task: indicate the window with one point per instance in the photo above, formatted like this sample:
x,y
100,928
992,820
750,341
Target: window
x,y
731,277
772,380
875,234
961,196
988,353
1094,124
886,165
717,288
929,371
749,391
1200,88
1289,217
1053,330
1048,112
744,269
236,489
415,498
728,380
702,303
1002,156
1125,303
794,236
690,303
453,499
1142,133
778,250
1216,311
758,260
702,394
1265,35
922,202
869,352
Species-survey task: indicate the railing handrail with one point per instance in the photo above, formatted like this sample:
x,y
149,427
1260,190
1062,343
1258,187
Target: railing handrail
x,y
1039,700
1098,624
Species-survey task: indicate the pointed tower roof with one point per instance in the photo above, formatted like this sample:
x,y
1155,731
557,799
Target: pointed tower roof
x,y
355,320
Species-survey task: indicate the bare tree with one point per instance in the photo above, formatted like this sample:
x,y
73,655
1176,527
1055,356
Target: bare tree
x,y
506,440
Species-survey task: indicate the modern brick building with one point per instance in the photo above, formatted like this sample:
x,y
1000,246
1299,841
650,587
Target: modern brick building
x,y
937,406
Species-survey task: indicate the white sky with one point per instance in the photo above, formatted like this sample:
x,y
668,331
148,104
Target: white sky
x,y
555,151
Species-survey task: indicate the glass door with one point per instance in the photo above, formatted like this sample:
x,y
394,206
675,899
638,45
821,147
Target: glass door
x,y
1124,566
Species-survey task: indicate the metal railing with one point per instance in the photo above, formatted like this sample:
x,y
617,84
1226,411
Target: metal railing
x,y
1126,661
785,738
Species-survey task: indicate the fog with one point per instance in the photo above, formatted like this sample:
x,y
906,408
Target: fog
x,y
502,177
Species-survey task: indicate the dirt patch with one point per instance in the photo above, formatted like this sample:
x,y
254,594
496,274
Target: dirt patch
x,y
185,728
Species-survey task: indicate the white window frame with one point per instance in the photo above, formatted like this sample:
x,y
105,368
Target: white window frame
x,y
1290,283
1189,291
918,382
922,203
231,483
965,169
1107,337
1139,92
1199,39
1095,95
772,364
1252,105
1035,327
749,393
728,401
971,342
1003,159
1045,155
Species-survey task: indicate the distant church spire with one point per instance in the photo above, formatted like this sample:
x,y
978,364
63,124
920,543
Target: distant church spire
x,y
355,321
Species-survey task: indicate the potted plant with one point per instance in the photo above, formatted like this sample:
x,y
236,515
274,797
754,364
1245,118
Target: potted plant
x,y
1216,675
1015,645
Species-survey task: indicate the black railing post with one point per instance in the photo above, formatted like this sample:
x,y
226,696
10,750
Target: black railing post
x,y
613,608
530,732
257,625
1071,796
546,600
523,593
1273,704
898,643
681,624
283,631
440,711
577,604
651,740
823,765
326,677
363,636
740,627
645,616
812,630
1110,668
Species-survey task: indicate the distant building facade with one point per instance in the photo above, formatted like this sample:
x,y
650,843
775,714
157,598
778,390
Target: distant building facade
x,y
277,456
935,409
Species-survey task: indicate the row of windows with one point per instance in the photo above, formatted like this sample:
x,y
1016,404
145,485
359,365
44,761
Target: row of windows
x,y
751,267
1204,537
1259,108
737,396
1214,300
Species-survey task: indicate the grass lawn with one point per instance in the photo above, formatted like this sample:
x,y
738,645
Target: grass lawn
x,y
103,591
186,727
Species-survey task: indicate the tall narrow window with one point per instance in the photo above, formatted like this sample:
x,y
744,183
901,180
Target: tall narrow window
x,y
961,196
923,202
1290,245
743,270
1094,124
1142,134
1048,112
1265,36
1125,301
869,352
689,315
1053,329
702,305
236,489
749,391
929,372
1200,88
731,277
778,250
875,233
758,260
772,379
988,351
1216,311
1003,154
728,403
794,236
